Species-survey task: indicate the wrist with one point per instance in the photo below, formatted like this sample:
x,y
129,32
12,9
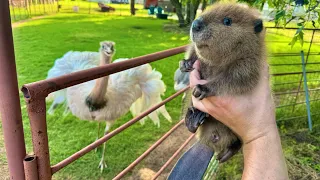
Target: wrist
x,y
263,157
262,125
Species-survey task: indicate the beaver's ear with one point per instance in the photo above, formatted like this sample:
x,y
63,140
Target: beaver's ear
x,y
258,25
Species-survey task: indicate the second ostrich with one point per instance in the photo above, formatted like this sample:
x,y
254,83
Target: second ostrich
x,y
110,97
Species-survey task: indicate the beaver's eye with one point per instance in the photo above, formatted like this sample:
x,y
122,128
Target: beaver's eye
x,y
227,21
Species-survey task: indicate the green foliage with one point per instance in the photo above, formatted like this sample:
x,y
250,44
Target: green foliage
x,y
298,36
285,14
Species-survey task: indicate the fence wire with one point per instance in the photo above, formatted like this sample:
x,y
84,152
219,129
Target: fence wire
x,y
92,7
25,9
289,92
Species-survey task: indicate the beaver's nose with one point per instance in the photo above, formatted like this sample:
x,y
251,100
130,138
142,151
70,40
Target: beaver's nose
x,y
197,25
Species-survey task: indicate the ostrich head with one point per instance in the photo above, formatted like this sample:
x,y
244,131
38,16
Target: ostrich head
x,y
107,48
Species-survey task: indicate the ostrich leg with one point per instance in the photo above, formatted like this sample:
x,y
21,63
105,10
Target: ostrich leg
x,y
103,163
98,135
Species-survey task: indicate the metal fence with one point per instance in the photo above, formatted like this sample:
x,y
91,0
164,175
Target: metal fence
x,y
25,9
289,89
92,7
296,76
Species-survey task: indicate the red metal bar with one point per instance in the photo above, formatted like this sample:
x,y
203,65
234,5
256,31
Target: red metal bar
x,y
100,141
9,98
293,64
44,87
38,123
148,151
173,156
30,167
291,92
272,27
292,73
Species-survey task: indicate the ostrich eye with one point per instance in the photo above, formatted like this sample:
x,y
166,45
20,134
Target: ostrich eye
x,y
227,21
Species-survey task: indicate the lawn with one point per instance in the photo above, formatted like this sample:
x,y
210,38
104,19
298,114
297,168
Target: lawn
x,y
38,43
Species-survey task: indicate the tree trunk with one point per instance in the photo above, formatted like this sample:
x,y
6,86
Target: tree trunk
x,y
133,11
188,10
204,5
178,7
192,7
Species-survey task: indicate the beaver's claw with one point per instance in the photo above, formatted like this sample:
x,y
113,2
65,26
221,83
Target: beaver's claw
x,y
194,118
186,65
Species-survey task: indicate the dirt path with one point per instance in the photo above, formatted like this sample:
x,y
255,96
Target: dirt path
x,y
15,24
161,154
147,168
3,161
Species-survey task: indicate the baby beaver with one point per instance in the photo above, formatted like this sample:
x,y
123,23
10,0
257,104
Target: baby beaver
x,y
228,40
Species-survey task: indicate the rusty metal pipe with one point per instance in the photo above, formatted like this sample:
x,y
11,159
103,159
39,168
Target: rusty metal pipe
x,y
292,73
100,141
10,103
147,152
30,167
45,87
172,157
37,115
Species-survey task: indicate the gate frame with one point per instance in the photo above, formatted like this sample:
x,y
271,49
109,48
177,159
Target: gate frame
x,y
10,108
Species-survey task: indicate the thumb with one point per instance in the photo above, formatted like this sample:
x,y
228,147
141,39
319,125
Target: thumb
x,y
195,77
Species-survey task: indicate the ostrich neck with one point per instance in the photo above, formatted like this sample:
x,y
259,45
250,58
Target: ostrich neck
x,y
100,87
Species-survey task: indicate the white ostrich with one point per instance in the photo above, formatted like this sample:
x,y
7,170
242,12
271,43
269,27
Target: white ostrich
x,y
110,97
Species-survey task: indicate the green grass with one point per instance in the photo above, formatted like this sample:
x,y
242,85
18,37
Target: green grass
x,y
38,43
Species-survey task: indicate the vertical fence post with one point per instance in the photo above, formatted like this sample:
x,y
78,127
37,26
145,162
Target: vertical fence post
x,y
37,115
39,6
14,14
10,103
304,64
44,7
306,90
89,7
19,9
56,2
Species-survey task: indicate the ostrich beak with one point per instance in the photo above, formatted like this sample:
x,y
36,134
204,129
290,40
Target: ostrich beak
x,y
192,164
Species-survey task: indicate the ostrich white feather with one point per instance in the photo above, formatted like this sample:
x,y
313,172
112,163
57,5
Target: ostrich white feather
x,y
135,89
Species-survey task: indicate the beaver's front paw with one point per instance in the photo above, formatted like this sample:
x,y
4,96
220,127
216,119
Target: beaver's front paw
x,y
194,118
186,65
200,91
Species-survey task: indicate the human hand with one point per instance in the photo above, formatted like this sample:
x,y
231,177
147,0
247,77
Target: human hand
x,y
250,116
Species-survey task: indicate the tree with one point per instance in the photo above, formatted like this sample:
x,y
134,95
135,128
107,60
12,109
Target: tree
x,y
191,10
204,5
178,6
132,10
192,7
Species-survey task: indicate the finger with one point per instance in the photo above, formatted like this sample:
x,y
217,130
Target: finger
x,y
196,65
198,104
195,78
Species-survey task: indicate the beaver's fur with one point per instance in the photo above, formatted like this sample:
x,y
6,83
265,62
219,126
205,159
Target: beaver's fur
x,y
231,57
